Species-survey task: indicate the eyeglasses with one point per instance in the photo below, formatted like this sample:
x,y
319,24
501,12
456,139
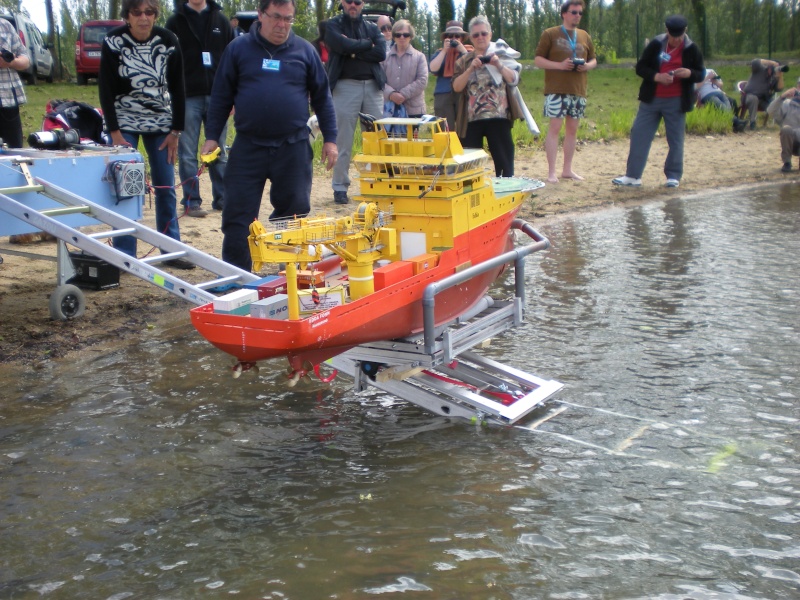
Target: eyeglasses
x,y
356,2
402,35
147,12
452,36
478,34
576,12
287,20
386,27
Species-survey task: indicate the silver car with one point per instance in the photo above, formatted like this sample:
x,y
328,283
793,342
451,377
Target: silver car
x,y
42,65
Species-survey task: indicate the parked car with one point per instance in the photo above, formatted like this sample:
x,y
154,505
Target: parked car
x,y
42,64
88,46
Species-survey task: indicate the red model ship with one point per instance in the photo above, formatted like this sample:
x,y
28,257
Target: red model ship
x,y
427,209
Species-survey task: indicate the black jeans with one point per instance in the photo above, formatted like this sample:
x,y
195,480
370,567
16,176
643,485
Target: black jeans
x,y
11,126
289,169
501,145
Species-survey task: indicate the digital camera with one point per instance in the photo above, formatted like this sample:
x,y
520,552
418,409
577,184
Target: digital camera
x,y
7,55
486,58
576,62
454,43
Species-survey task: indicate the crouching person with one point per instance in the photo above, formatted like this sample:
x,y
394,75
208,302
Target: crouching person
x,y
785,110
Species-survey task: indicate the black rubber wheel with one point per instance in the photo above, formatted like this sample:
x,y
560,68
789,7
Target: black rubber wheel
x,y
81,79
67,302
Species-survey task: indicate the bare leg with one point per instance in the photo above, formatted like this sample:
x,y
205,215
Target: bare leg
x,y
570,138
551,148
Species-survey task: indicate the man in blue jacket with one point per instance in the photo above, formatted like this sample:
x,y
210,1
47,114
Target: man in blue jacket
x,y
203,32
268,75
356,49
670,65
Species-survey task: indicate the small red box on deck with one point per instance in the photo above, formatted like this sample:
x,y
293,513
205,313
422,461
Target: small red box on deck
x,y
392,273
276,285
423,262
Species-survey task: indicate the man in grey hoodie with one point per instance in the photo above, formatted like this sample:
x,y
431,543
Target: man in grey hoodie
x,y
785,109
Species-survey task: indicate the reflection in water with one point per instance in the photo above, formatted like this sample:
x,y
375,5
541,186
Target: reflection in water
x,y
148,471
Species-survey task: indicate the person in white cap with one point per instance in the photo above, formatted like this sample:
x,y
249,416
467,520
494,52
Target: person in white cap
x,y
670,65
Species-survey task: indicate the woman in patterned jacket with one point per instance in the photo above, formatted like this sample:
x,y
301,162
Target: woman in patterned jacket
x,y
142,95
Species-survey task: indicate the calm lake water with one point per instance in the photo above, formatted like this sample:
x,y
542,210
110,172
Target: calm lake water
x,y
148,472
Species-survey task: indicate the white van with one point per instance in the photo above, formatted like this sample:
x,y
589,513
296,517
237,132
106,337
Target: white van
x,y
41,60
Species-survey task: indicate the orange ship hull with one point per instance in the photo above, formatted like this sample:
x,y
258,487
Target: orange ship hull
x,y
389,313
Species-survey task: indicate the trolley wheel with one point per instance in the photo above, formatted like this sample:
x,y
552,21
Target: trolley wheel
x,y
67,302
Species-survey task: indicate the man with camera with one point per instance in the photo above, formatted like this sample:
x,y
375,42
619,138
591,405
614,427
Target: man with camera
x,y
785,110
13,58
766,78
567,54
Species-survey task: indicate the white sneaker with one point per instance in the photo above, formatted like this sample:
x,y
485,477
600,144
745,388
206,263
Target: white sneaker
x,y
625,180
672,183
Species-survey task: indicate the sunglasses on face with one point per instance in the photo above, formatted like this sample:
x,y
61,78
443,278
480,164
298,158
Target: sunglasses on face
x,y
452,36
576,12
386,27
478,34
402,35
356,2
149,12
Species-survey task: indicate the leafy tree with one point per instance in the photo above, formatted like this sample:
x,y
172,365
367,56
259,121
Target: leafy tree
x,y
447,12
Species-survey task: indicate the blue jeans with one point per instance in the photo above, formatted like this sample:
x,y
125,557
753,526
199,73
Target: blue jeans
x,y
196,115
644,130
162,177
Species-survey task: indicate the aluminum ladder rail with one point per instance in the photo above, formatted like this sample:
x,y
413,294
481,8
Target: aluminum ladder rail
x,y
440,373
143,268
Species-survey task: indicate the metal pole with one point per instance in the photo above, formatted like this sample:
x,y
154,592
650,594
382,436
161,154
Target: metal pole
x,y
638,43
769,35
428,40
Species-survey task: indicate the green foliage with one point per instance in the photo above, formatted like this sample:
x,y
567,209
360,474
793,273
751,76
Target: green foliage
x,y
605,55
447,12
709,120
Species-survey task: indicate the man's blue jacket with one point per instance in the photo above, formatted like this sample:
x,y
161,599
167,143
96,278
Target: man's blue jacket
x,y
270,87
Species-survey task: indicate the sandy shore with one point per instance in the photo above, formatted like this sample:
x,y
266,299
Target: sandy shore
x,y
29,337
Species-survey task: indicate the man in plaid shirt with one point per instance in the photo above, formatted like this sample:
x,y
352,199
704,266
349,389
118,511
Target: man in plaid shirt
x,y
13,58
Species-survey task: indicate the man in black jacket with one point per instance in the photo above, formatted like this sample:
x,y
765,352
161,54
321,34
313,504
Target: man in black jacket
x,y
203,32
669,67
356,49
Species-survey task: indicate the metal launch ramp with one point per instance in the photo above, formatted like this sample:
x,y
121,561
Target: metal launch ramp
x,y
66,301
439,371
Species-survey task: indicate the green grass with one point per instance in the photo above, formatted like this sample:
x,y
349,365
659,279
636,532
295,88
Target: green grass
x,y
610,111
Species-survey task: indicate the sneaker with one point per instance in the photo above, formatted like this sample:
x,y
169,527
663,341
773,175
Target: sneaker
x,y
180,263
625,180
672,183
340,197
217,205
786,168
752,126
196,211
